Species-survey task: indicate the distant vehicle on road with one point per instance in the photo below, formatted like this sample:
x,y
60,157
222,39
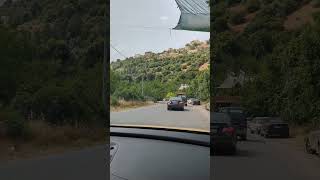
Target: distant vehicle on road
x,y
257,123
175,103
223,134
312,142
194,101
275,128
238,118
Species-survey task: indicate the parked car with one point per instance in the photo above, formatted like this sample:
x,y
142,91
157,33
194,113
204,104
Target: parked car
x,y
256,124
312,142
223,134
275,128
175,103
194,101
239,120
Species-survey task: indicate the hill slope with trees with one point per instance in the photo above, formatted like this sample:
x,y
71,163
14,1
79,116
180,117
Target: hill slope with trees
x,y
162,73
282,59
51,67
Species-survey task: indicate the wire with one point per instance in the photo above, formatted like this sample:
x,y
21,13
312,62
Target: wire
x,y
118,51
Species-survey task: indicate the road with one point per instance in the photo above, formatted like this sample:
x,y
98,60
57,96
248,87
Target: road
x,y
194,117
80,165
266,159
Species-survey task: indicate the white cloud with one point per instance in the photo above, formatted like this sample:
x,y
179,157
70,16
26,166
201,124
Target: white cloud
x,y
164,18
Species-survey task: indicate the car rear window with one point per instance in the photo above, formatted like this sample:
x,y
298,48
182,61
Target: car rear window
x,y
237,117
220,118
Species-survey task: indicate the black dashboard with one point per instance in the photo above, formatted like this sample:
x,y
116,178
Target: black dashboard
x,y
157,154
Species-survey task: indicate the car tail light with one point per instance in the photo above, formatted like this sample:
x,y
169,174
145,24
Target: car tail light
x,y
228,130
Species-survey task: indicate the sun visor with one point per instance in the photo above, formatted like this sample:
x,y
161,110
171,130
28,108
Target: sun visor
x,y
195,15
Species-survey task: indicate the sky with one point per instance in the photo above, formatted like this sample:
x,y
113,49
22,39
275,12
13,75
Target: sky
x,y
138,26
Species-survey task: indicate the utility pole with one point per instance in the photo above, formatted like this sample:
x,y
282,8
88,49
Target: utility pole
x,y
142,82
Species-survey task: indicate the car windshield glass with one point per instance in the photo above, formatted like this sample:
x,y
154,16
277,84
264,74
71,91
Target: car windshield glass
x,y
175,99
150,68
219,118
235,110
237,116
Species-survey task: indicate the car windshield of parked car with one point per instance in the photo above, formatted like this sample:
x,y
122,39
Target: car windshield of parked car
x,y
150,67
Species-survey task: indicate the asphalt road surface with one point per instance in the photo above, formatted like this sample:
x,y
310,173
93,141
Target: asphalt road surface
x,y
266,159
78,165
195,117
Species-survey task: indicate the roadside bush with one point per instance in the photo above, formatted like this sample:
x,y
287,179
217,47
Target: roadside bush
x,y
220,24
15,125
316,3
237,18
316,17
114,101
170,94
253,5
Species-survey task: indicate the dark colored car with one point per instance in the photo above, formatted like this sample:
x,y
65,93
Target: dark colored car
x,y
194,101
275,128
239,120
175,103
256,124
312,142
223,134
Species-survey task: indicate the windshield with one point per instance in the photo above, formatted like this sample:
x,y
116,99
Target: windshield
x,y
152,65
175,99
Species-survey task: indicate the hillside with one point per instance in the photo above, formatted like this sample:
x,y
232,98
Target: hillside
x,y
173,64
276,43
166,70
51,62
237,15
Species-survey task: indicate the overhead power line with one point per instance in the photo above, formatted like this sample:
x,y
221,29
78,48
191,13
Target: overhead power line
x,y
118,51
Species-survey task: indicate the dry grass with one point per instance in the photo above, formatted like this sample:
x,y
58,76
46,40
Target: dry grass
x,y
298,133
124,105
240,27
237,8
301,17
45,139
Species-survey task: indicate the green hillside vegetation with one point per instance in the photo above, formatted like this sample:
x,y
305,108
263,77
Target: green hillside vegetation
x,y
162,73
282,63
51,62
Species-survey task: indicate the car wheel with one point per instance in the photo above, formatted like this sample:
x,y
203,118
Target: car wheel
x,y
168,109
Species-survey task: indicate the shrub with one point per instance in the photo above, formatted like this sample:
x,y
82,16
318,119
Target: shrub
x,y
15,125
316,3
237,18
170,95
220,24
114,101
253,5
316,17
